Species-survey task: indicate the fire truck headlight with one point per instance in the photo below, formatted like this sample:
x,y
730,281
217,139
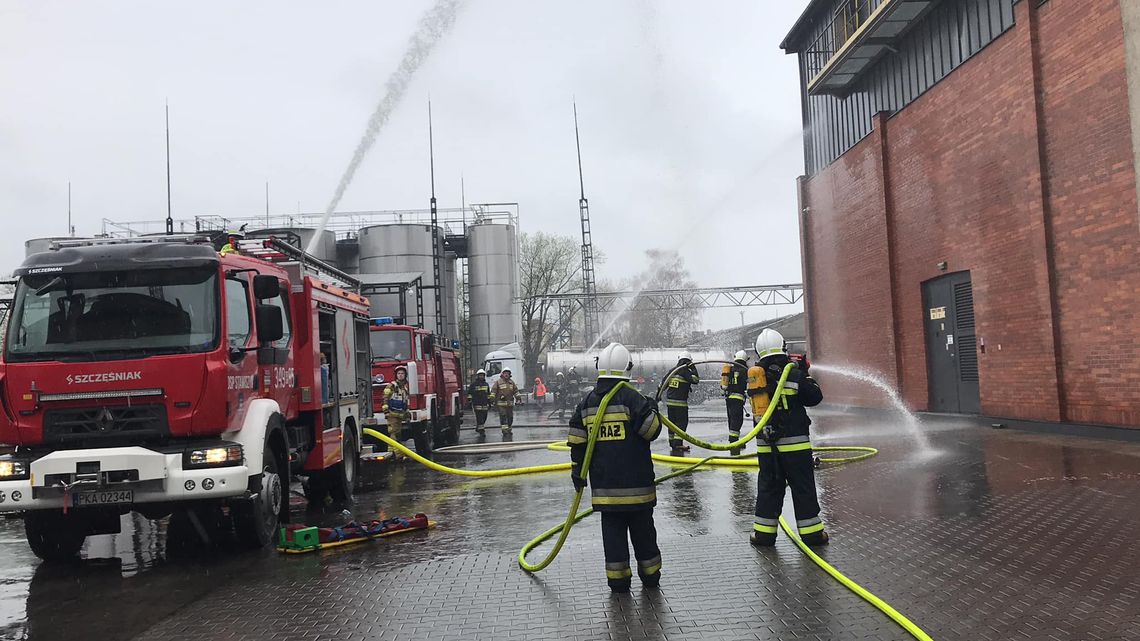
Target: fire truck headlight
x,y
223,456
378,379
11,470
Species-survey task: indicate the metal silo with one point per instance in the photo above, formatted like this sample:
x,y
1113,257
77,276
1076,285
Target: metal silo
x,y
492,267
397,250
300,237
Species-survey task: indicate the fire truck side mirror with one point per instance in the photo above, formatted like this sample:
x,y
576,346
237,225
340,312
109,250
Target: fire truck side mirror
x,y
270,325
429,344
266,286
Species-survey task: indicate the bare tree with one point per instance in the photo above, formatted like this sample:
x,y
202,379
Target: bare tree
x,y
645,326
548,264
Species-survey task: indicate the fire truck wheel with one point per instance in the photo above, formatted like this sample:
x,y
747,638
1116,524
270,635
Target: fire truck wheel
x,y
255,520
342,476
52,536
423,439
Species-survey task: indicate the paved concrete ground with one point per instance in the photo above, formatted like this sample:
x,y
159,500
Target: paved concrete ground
x,y
994,534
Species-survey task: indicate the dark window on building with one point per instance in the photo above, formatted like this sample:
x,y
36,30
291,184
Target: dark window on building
x,y
945,38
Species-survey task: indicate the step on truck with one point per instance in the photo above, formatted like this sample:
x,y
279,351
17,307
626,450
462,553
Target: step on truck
x,y
435,380
156,375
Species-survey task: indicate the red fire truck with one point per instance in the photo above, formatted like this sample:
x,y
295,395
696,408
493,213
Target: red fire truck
x,y
434,378
158,376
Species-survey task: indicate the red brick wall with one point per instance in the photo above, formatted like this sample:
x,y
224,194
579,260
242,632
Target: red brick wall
x,y
963,164
1092,198
848,274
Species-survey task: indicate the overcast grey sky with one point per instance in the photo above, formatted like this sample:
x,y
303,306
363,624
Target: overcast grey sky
x,y
689,112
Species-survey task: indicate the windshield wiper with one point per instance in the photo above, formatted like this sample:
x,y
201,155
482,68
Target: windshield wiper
x,y
51,285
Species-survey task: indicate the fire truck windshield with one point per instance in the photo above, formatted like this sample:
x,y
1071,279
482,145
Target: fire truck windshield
x,y
120,314
391,345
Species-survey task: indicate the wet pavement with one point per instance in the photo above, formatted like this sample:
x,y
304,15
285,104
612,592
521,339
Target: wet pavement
x,y
993,534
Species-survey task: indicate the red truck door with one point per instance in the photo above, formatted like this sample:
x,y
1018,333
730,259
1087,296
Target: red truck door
x,y
241,381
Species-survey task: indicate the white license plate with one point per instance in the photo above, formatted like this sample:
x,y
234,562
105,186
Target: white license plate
x,y
104,497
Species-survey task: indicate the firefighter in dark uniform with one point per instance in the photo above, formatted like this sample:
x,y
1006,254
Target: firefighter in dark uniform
x,y
734,381
559,389
479,396
574,380
785,451
677,389
621,470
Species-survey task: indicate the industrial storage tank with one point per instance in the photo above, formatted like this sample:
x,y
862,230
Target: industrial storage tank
x,y
301,237
493,270
348,255
398,249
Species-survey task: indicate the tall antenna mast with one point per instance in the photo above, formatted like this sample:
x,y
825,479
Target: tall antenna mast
x,y
267,203
70,229
589,287
435,242
169,215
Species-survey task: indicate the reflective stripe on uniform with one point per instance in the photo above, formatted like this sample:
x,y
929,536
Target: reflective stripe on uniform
x,y
649,427
788,444
611,372
623,496
676,403
736,397
802,523
614,412
649,566
734,435
791,385
811,529
577,436
765,525
619,570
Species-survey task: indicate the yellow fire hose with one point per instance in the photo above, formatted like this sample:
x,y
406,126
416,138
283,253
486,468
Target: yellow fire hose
x,y
691,464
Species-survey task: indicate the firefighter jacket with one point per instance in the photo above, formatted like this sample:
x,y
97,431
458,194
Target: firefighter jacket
x,y
503,392
680,384
396,399
479,394
734,381
621,468
790,419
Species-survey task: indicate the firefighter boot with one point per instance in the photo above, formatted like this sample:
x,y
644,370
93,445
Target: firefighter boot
x,y
762,540
816,538
620,586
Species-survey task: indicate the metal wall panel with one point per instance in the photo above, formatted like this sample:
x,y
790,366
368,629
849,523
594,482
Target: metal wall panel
x,y
949,35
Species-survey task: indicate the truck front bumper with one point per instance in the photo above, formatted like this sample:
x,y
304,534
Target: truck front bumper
x,y
153,477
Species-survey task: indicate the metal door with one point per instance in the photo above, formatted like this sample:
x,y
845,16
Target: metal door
x,y
951,346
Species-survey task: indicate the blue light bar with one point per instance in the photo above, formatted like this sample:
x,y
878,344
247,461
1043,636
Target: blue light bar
x,y
383,320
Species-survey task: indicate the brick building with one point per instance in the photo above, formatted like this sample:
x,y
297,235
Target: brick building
x,y
969,214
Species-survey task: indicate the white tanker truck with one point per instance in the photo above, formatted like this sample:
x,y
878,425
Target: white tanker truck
x,y
649,366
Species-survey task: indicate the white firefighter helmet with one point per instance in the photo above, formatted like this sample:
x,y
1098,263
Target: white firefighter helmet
x,y
769,343
506,370
481,372
741,356
685,356
614,362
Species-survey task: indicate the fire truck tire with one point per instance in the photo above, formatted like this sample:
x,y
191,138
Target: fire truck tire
x,y
256,520
52,536
422,437
342,477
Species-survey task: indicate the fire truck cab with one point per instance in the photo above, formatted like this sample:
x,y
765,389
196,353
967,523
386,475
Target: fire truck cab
x,y
156,375
435,381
